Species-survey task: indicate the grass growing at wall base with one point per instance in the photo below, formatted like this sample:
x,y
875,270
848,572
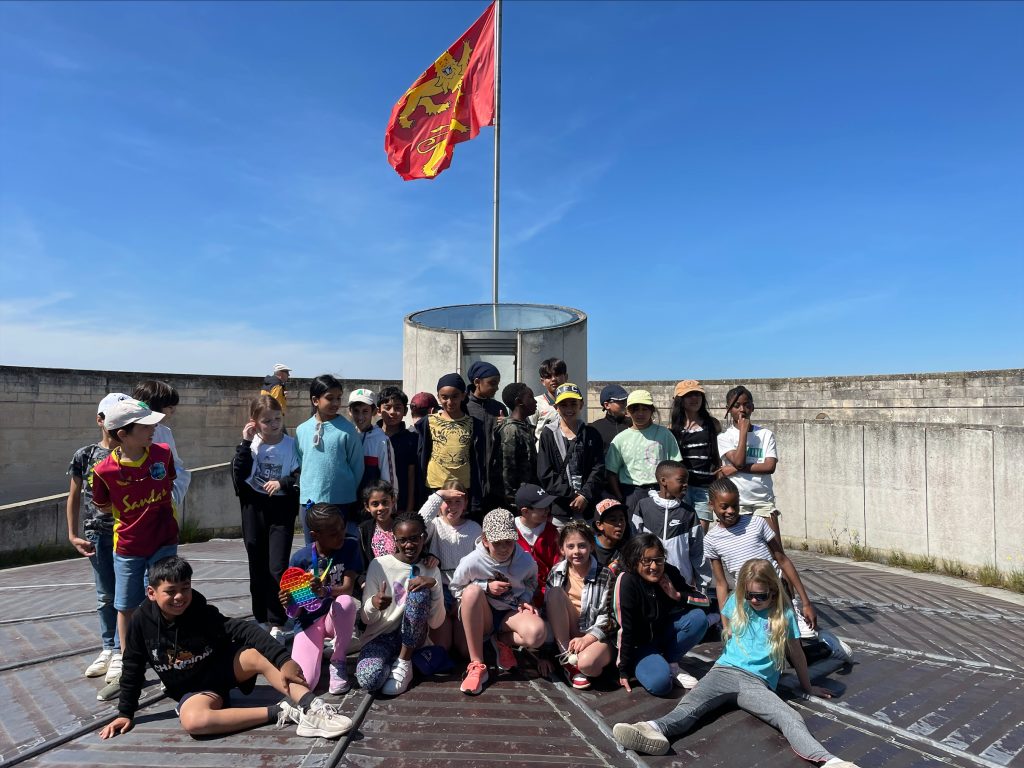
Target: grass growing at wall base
x,y
986,576
189,533
44,553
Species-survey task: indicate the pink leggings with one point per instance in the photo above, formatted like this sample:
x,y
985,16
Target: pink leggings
x,y
308,645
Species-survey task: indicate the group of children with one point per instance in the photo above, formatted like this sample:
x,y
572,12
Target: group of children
x,y
482,530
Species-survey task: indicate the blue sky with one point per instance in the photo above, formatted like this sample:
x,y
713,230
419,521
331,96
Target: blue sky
x,y
727,189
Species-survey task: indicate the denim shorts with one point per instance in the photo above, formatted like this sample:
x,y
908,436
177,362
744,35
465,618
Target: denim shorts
x,y
131,577
698,499
498,617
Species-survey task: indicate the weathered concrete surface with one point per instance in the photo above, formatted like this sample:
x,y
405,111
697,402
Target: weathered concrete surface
x,y
430,353
961,524
983,398
1008,464
210,505
834,480
895,503
49,413
790,480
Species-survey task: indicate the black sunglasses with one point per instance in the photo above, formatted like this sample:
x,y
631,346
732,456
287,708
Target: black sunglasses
x,y
759,596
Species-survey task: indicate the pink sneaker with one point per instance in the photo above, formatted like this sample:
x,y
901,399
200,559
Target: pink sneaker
x,y
476,676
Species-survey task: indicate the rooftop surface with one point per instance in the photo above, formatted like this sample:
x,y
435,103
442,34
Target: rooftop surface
x,y
937,680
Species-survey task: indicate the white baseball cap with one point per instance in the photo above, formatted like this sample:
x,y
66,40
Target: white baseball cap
x,y
108,402
362,396
125,412
278,367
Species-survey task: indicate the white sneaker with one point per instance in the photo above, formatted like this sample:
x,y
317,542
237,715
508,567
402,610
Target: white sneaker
x,y
289,713
680,677
99,667
685,680
279,634
641,737
399,679
324,720
113,668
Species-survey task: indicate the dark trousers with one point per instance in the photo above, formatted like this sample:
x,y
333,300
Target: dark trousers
x,y
632,495
268,526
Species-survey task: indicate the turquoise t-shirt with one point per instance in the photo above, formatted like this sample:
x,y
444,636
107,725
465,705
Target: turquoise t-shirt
x,y
332,469
634,454
751,650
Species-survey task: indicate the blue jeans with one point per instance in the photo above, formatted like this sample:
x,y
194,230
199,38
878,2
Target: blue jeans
x,y
698,499
131,577
102,561
652,671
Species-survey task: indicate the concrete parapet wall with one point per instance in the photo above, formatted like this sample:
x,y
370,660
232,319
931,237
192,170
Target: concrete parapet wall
x,y
924,463
48,413
948,492
210,505
985,398
906,487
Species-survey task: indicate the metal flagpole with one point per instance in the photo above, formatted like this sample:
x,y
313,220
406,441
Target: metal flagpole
x,y
497,152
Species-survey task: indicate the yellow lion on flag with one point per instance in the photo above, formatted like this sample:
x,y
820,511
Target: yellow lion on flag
x,y
449,78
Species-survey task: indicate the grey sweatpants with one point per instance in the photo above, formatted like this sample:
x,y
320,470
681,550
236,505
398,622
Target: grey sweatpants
x,y
728,685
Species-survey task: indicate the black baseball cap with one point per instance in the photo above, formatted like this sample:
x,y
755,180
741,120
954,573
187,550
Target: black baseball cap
x,y
533,496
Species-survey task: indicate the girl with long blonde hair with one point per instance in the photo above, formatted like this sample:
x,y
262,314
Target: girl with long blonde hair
x,y
761,630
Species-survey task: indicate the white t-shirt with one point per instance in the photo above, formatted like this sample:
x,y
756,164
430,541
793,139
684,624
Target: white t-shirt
x,y
272,462
162,434
760,446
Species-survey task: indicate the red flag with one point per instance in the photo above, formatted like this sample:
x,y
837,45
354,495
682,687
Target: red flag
x,y
447,104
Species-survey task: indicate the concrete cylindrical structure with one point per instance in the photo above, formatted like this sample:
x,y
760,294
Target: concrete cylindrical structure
x,y
514,337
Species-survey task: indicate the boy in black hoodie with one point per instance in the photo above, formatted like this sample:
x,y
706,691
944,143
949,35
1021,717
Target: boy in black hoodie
x,y
200,656
570,460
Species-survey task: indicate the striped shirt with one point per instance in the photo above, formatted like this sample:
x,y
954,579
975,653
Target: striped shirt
x,y
695,445
746,540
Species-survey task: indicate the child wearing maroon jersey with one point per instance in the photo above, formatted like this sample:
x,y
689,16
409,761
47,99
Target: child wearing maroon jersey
x,y
134,484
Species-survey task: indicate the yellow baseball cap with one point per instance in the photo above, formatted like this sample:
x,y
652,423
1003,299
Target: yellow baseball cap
x,y
566,392
640,397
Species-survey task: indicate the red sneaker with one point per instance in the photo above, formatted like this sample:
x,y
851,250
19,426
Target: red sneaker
x,y
576,679
506,656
